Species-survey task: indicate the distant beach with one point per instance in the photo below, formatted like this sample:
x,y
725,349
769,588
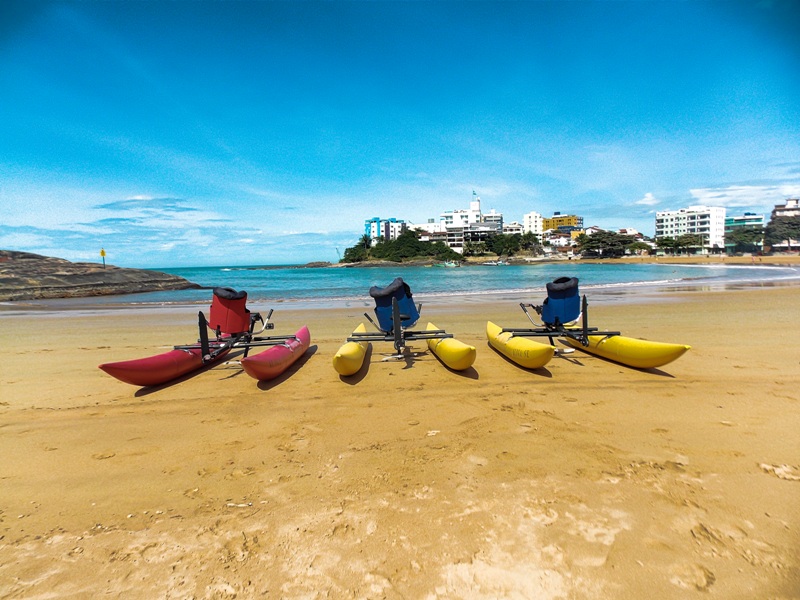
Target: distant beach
x,y
322,287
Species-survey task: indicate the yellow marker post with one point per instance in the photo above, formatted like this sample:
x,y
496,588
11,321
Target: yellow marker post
x,y
103,255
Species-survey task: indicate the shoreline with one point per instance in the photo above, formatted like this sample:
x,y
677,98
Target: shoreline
x,y
128,302
619,292
789,259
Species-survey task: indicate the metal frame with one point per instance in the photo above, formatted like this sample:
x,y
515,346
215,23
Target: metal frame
x,y
399,335
211,348
579,334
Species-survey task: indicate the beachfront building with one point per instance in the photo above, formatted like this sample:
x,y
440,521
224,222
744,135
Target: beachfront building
x,y
434,236
493,217
431,231
739,222
513,228
532,222
456,227
460,218
790,208
630,232
388,229
747,220
565,223
473,233
705,221
559,239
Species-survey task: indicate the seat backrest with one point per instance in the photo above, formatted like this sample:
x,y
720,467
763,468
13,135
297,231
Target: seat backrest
x,y
383,304
228,311
563,303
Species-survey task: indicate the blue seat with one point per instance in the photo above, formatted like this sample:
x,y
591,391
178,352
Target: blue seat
x,y
563,303
400,291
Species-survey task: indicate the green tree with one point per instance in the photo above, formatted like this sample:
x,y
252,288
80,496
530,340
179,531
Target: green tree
x,y
637,246
407,246
354,254
745,239
667,244
474,248
503,243
603,243
442,251
782,229
689,240
529,241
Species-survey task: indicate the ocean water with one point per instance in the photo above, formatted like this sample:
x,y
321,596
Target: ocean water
x,y
332,286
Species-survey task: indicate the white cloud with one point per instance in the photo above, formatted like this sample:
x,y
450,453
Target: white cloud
x,y
648,200
757,197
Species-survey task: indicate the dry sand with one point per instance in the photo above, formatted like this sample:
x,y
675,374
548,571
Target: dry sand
x,y
581,480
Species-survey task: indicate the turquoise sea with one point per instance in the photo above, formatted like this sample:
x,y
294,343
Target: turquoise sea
x,y
329,286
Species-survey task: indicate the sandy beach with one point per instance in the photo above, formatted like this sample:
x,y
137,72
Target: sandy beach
x,y
581,480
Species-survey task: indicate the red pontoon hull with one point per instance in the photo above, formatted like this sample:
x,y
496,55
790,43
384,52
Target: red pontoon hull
x,y
275,360
161,368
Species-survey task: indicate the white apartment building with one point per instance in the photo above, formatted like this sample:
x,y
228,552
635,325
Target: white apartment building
x,y
493,217
476,232
513,228
559,239
707,221
532,222
790,208
387,229
462,218
629,231
460,226
432,226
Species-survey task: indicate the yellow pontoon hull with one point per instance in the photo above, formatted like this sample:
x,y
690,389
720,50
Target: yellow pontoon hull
x,y
640,354
350,357
453,353
523,351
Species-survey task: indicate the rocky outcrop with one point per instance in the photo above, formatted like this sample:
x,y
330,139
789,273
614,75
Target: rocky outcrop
x,y
26,276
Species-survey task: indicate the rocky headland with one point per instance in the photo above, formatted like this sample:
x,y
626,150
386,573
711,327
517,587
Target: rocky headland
x,y
26,276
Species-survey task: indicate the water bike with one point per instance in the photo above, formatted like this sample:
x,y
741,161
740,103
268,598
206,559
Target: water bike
x,y
564,315
232,326
396,313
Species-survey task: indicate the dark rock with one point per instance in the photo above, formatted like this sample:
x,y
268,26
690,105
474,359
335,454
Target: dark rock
x,y
317,264
26,276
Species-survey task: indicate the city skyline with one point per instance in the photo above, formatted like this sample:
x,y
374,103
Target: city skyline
x,y
214,133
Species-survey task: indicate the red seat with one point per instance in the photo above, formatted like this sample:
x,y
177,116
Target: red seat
x,y
228,314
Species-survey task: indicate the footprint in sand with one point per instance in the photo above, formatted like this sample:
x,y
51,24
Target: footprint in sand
x,y
693,577
239,473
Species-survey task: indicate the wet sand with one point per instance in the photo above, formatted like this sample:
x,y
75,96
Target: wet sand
x,y
584,479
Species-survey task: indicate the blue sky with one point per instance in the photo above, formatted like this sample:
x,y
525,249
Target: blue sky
x,y
212,133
